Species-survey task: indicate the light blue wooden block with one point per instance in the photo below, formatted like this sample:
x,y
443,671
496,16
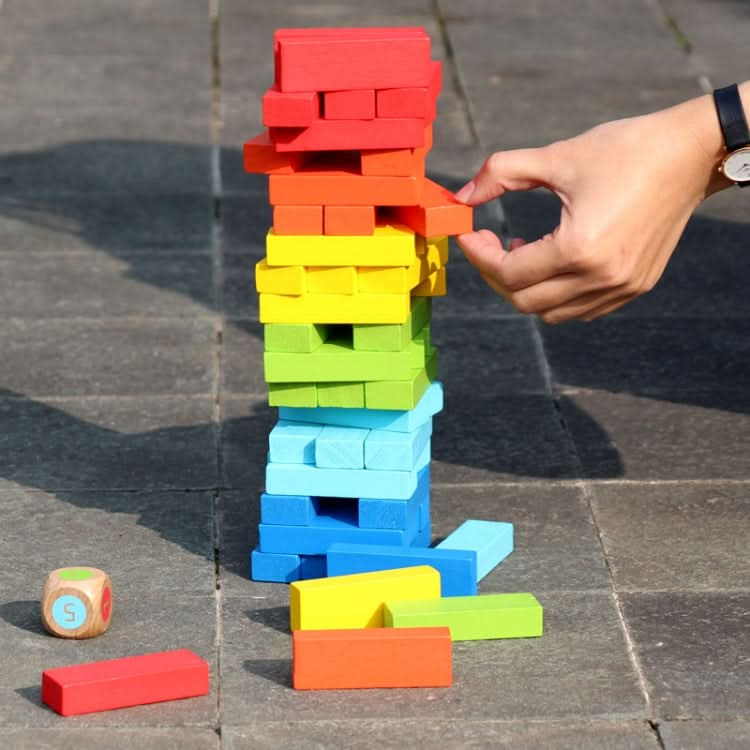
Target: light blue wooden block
x,y
382,419
294,510
376,513
341,448
298,479
457,568
385,449
491,540
293,442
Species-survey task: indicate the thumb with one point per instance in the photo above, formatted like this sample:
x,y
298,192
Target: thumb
x,y
520,169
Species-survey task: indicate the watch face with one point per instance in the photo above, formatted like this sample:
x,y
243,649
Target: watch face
x,y
736,166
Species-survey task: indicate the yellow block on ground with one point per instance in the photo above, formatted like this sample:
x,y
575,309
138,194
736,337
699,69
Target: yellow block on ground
x,y
387,246
335,308
356,601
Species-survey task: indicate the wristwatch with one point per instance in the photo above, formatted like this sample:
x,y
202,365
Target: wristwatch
x,y
736,164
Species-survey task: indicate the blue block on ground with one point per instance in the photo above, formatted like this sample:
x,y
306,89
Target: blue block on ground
x,y
385,449
376,513
491,540
299,479
292,510
383,419
341,447
457,568
292,442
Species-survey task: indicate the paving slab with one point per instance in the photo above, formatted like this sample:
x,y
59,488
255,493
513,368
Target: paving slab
x,y
115,738
695,735
245,425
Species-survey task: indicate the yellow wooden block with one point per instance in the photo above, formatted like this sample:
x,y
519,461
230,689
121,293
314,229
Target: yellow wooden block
x,y
356,601
433,286
436,249
387,246
334,308
279,279
333,280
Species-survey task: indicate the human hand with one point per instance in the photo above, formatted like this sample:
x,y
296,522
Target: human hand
x,y
627,189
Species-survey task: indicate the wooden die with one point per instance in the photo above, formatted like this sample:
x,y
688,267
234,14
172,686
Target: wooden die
x,y
77,602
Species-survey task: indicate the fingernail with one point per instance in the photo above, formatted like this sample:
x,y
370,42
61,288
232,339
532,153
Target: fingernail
x,y
466,192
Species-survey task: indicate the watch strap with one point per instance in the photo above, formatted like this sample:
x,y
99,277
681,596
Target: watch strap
x,y
732,117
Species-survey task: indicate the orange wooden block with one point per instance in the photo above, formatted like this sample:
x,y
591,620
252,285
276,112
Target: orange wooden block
x,y
400,162
372,658
349,105
349,220
298,219
260,157
438,212
342,188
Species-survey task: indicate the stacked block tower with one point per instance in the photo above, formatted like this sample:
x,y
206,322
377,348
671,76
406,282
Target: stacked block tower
x,y
357,250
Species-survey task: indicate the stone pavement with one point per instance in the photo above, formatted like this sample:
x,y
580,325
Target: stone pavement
x,y
132,413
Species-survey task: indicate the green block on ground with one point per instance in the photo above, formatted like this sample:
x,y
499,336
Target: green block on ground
x,y
471,618
393,337
292,394
294,337
344,395
401,394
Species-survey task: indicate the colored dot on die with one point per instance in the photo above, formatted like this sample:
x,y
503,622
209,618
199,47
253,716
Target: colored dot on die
x,y
75,574
69,612
106,603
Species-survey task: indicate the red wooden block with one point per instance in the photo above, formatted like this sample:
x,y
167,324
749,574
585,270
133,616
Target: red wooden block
x,y
349,105
412,102
290,109
298,219
349,220
260,157
118,683
346,59
400,162
438,212
371,658
351,135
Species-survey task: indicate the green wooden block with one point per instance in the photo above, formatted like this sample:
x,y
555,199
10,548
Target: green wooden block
x,y
336,361
292,394
343,395
294,337
401,394
471,618
393,338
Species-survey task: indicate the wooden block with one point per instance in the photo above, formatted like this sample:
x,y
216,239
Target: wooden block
x,y
430,404
288,510
340,188
457,568
401,394
349,220
471,618
290,109
289,337
343,448
274,567
394,450
293,443
404,278
334,308
77,602
389,245
118,683
350,59
399,162
377,513
491,540
340,396
260,157
279,279
413,101
297,220
433,286
343,659
349,105
356,601
292,394
438,212
331,280
394,337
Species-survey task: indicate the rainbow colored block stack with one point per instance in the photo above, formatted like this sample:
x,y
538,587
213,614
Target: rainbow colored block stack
x,y
358,247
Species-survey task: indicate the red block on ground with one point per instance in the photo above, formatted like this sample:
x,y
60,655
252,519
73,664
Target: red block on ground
x,y
412,102
298,219
118,683
290,109
372,658
437,212
349,220
345,59
349,105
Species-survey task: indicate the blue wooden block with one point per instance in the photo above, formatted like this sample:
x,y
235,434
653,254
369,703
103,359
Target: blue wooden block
x,y
424,510
376,513
341,448
312,566
292,443
457,568
491,540
424,536
383,419
294,510
385,449
299,479
274,567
